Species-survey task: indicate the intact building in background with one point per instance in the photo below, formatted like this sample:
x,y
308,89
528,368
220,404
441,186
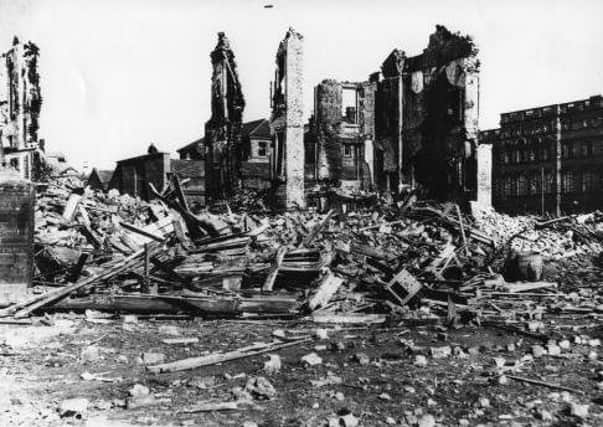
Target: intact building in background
x,y
20,104
549,159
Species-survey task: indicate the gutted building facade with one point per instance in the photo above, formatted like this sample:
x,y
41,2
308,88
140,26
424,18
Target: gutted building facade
x,y
286,122
339,143
426,118
223,129
20,105
413,124
549,159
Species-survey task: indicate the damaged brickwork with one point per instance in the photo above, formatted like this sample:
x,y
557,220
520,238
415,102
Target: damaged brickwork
x,y
286,123
223,130
20,105
339,132
426,118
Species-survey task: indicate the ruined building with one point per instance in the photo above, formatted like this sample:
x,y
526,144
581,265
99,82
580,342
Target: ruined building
x,y
339,144
414,124
20,103
549,159
223,130
426,118
287,122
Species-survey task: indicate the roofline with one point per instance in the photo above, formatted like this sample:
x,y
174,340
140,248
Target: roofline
x,y
141,156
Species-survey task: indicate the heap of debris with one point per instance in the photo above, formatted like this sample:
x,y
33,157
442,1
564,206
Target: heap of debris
x,y
413,260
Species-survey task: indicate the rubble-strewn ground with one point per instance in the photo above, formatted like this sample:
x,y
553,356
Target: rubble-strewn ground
x,y
408,312
371,372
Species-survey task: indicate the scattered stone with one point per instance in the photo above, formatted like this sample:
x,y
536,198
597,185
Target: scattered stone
x,y
564,344
385,396
440,352
473,351
76,408
503,380
169,330
202,383
553,350
577,410
538,351
260,388
349,420
153,358
484,402
363,358
250,424
90,354
593,355
420,361
339,396
273,365
130,318
311,359
427,420
544,415
458,352
594,342
390,421
321,334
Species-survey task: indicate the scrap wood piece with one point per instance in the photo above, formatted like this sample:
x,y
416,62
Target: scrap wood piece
x,y
183,340
214,406
348,318
409,285
370,252
179,193
544,384
524,287
72,206
212,359
280,256
464,237
316,229
142,231
32,304
328,287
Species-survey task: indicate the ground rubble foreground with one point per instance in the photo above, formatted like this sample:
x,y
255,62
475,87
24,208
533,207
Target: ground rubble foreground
x,y
375,312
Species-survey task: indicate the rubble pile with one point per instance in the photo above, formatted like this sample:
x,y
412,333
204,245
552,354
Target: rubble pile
x,y
407,258
564,237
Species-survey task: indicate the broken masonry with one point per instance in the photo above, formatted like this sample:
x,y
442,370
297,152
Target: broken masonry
x,y
223,129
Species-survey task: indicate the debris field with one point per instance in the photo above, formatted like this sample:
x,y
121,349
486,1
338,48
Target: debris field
x,y
374,311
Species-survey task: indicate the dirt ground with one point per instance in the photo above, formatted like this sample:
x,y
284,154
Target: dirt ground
x,y
42,365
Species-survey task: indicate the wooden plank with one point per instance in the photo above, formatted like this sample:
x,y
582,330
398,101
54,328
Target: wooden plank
x,y
271,278
212,359
314,232
325,291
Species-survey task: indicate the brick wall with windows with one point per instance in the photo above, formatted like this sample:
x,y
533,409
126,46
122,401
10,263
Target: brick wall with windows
x,y
524,153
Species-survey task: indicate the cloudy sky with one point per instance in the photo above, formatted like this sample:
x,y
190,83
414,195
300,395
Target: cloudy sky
x,y
118,74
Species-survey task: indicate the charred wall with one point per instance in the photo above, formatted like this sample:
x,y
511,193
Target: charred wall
x,y
223,130
426,118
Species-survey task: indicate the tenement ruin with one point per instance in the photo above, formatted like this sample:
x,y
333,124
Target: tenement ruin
x,y
223,129
287,122
20,104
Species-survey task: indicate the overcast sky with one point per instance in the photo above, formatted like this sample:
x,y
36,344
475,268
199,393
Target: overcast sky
x,y
118,74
